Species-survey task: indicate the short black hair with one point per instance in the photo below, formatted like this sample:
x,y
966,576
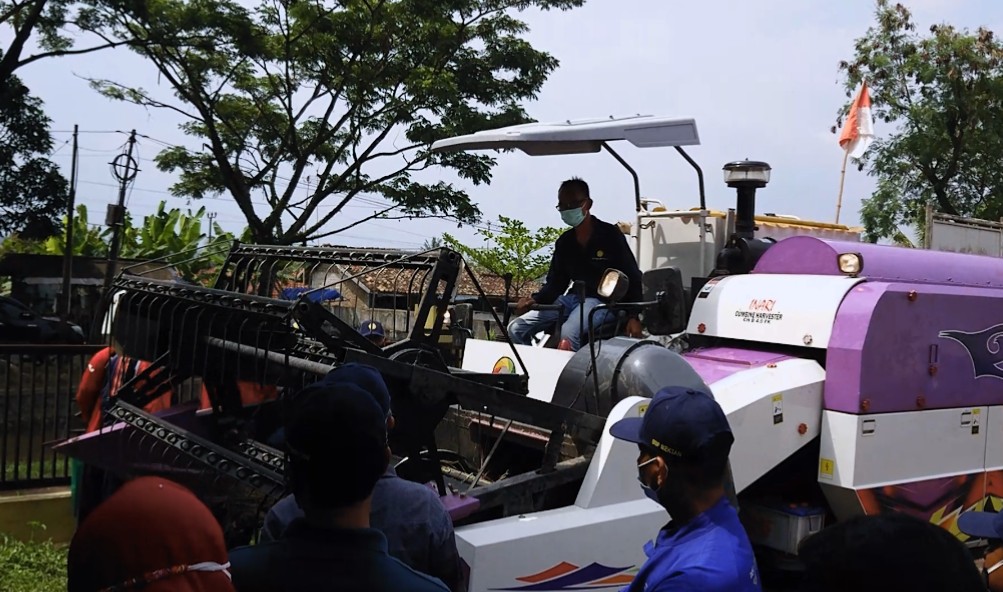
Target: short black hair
x,y
337,441
577,186
890,551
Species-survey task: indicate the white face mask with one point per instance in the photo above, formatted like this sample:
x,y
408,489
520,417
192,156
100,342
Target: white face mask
x,y
160,574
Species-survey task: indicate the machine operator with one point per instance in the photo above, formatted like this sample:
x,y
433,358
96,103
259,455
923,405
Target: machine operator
x,y
583,253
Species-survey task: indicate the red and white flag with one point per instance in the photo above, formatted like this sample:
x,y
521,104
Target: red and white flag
x,y
858,131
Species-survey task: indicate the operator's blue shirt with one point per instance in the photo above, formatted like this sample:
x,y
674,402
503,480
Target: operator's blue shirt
x,y
711,553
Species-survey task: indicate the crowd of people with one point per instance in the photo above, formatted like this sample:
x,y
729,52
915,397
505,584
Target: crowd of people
x,y
351,524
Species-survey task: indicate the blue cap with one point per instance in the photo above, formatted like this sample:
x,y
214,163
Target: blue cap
x,y
680,422
371,327
983,525
331,417
365,377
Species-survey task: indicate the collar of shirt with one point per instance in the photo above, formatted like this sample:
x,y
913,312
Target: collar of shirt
x,y
359,539
670,534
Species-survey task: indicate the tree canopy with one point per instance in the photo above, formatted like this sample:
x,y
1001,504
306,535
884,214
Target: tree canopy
x,y
513,249
940,95
297,108
32,191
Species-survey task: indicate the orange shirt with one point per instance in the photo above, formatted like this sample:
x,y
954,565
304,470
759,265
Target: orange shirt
x,y
251,393
92,382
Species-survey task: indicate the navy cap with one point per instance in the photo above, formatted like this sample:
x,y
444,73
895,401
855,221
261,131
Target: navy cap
x,y
680,422
365,377
371,327
983,525
331,417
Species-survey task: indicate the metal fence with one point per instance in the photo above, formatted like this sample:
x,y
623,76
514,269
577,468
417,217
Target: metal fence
x,y
37,409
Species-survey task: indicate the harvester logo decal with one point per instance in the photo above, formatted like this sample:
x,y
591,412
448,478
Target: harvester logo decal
x,y
504,365
984,349
568,576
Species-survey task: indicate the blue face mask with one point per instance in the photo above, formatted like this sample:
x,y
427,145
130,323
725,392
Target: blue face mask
x,y
649,491
573,217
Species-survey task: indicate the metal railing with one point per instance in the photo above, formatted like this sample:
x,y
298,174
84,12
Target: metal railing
x,y
38,384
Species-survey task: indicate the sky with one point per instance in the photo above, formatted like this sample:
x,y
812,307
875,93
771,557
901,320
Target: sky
x,y
760,79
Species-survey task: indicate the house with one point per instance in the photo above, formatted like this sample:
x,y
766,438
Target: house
x,y
391,293
37,281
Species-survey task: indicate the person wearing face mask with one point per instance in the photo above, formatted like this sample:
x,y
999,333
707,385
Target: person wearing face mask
x,y
684,440
583,253
987,525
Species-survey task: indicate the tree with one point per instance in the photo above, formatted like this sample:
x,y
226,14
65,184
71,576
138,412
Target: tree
x,y
513,249
169,234
432,243
54,24
32,191
318,103
942,94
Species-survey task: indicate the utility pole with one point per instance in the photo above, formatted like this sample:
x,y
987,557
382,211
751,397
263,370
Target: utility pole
x,y
212,216
124,168
68,251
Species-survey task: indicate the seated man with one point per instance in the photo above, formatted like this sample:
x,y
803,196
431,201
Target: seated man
x,y
583,253
417,526
336,437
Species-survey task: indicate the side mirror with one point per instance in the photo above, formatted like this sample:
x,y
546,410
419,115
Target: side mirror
x,y
669,315
613,285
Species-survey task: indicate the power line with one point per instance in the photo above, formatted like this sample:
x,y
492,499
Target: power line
x,y
361,201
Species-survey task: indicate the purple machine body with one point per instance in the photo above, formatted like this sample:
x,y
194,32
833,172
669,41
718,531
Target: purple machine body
x,y
923,331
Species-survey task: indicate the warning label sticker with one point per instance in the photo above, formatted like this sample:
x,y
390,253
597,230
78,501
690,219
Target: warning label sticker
x,y
826,467
778,409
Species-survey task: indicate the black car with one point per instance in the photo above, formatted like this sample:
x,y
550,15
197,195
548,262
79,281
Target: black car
x,y
20,324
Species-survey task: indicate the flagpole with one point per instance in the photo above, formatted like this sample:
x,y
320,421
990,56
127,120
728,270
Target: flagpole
x,y
842,178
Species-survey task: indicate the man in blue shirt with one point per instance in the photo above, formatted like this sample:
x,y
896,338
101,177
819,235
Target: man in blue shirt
x,y
684,439
583,253
417,526
336,437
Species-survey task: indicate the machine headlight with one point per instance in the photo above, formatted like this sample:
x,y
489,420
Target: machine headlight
x,y
613,285
851,263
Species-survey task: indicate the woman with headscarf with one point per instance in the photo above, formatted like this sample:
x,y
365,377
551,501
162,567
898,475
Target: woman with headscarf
x,y
154,535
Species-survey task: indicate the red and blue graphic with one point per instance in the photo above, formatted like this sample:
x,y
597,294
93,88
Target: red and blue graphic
x,y
568,576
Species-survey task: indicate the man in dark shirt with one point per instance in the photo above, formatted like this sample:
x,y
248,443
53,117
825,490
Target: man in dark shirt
x,y
583,253
417,526
336,437
373,331
684,440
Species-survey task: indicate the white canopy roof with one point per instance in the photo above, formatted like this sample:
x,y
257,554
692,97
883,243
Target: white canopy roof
x,y
578,137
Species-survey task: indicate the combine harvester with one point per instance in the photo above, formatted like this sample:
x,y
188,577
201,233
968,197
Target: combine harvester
x,y
908,419
543,498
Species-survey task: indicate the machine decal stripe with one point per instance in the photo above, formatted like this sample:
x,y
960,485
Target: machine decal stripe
x,y
617,580
589,577
558,570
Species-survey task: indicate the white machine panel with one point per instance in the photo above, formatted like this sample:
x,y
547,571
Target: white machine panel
x,y
866,451
566,543
994,439
773,411
543,364
794,310
608,525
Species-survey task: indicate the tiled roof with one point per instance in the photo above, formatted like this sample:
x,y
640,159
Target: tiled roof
x,y
403,281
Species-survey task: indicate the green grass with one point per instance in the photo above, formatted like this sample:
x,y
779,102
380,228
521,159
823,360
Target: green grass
x,y
37,469
32,566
